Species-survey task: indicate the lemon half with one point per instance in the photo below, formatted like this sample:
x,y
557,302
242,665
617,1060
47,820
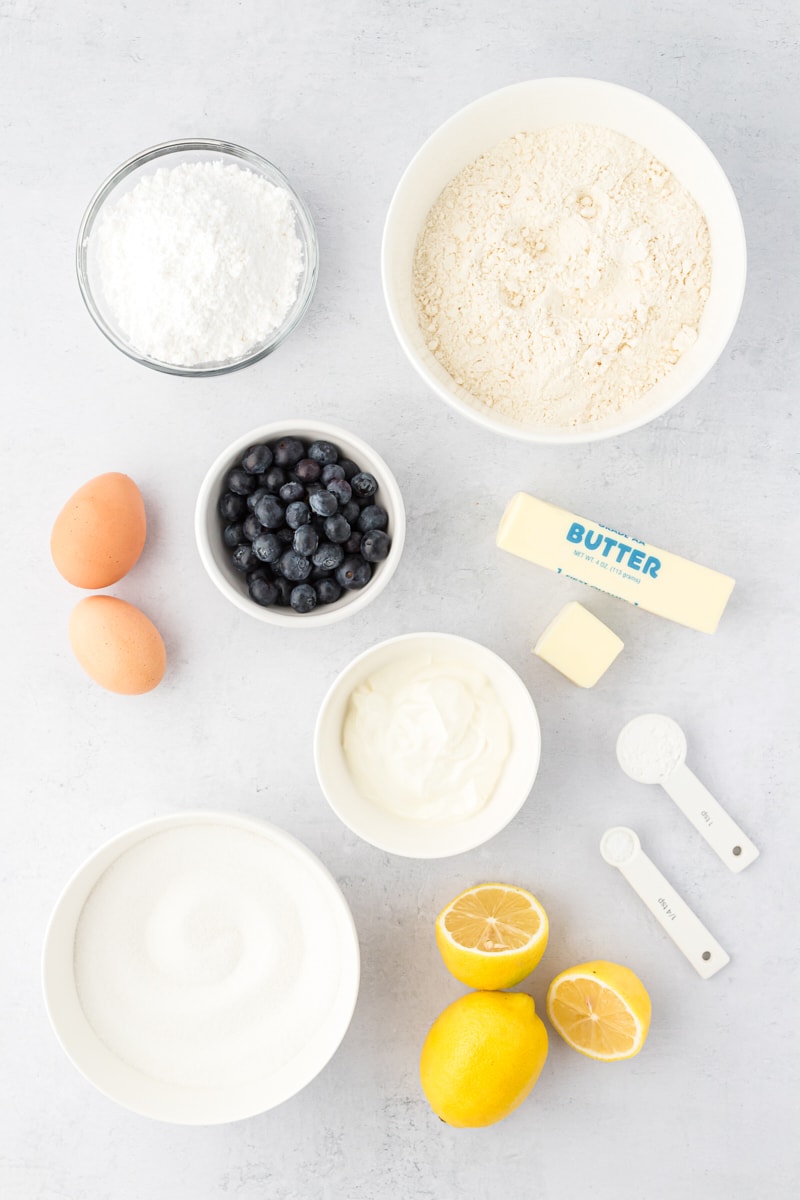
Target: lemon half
x,y
492,935
601,1009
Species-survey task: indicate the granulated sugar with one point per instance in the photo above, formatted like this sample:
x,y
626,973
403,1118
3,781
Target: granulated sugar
x,y
199,263
561,275
205,956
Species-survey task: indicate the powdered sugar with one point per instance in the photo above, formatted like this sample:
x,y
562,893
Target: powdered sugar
x,y
561,275
200,263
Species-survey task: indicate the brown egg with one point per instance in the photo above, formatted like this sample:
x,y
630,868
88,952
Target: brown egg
x,y
117,645
100,532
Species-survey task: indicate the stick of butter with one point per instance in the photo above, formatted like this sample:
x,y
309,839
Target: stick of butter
x,y
612,562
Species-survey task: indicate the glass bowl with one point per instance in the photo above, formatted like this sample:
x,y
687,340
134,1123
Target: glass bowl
x,y
172,154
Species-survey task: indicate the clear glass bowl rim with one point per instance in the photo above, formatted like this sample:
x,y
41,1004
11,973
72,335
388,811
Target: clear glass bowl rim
x,y
214,146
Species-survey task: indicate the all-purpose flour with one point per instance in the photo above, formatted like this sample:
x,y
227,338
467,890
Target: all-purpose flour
x,y
562,275
199,263
206,956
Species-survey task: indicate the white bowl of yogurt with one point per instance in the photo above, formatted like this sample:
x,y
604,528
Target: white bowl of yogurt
x,y
427,745
201,968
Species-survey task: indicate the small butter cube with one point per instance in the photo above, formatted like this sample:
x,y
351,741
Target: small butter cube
x,y
578,645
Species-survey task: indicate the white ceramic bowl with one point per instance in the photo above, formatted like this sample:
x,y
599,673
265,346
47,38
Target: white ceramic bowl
x,y
539,104
162,1101
216,558
422,839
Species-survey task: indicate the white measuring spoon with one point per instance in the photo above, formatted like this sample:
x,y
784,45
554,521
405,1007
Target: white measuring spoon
x,y
652,749
621,848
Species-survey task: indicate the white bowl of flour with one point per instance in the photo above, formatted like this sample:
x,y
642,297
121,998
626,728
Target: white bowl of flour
x,y
201,968
563,260
197,257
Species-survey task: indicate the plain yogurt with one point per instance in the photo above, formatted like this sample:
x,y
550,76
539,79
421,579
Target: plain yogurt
x,y
426,737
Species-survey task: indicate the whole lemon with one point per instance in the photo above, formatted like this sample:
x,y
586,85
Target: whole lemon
x,y
482,1056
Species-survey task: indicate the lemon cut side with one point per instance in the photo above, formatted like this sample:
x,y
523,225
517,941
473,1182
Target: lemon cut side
x,y
601,1009
492,935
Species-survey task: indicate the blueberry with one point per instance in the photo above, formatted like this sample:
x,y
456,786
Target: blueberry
x,y
306,540
336,528
349,467
254,497
341,489
258,572
353,543
232,535
292,491
373,517
303,598
264,592
251,527
364,485
327,590
323,503
295,566
267,547
241,482
354,573
285,536
270,512
257,459
284,588
319,573
307,471
375,545
242,556
327,556
350,512
330,472
273,480
298,513
288,451
232,507
324,453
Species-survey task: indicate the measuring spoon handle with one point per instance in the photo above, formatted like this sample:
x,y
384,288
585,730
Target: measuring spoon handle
x,y
710,819
674,916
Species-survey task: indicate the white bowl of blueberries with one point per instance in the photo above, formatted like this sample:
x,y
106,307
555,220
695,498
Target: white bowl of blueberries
x,y
300,522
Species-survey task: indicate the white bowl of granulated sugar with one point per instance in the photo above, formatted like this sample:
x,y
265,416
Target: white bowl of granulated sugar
x,y
201,968
197,257
563,260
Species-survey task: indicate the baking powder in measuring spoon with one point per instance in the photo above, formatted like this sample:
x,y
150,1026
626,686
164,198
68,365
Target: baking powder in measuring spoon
x,y
652,749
